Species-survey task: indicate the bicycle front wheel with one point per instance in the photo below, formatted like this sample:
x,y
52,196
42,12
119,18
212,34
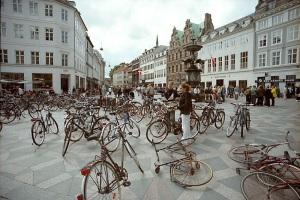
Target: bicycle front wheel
x,y
52,125
157,132
38,133
247,153
247,120
253,188
220,119
191,173
133,128
204,123
102,182
110,136
232,126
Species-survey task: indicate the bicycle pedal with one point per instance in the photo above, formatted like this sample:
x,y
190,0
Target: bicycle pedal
x,y
126,183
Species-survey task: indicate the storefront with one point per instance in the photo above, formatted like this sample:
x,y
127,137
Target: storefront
x,y
232,83
42,81
220,82
11,81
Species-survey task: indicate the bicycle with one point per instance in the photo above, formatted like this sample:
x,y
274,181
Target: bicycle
x,y
103,176
241,118
77,127
42,126
186,170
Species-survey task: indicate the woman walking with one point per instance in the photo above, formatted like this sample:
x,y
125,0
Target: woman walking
x,y
185,107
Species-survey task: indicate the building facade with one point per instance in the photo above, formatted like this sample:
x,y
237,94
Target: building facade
x,y
160,69
135,65
177,53
228,54
120,75
277,43
42,45
149,60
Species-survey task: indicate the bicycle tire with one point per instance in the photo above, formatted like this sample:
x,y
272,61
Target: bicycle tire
x,y
204,123
33,110
110,136
282,170
133,128
232,126
248,120
194,126
66,144
98,124
105,183
190,173
7,113
253,189
157,131
247,153
219,119
133,155
75,133
136,111
52,123
38,133
242,128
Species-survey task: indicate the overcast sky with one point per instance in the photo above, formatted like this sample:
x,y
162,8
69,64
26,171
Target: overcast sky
x,y
125,28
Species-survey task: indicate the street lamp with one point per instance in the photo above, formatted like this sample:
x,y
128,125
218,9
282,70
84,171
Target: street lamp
x,y
193,75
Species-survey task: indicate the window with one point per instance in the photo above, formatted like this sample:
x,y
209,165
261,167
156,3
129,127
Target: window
x,y
49,58
220,64
3,56
262,41
18,28
276,37
34,33
35,57
262,24
226,63
48,10
64,59
19,57
277,19
276,57
49,34
33,8
293,32
262,58
214,64
209,65
244,60
64,15
232,61
295,13
3,29
292,56
17,6
64,37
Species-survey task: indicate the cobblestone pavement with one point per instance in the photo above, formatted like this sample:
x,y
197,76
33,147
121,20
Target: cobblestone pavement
x,y
31,172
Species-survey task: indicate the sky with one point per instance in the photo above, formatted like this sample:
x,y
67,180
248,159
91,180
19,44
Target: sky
x,y
125,28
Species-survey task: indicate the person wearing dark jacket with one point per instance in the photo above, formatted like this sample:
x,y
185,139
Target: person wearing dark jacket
x,y
171,93
185,107
268,96
260,95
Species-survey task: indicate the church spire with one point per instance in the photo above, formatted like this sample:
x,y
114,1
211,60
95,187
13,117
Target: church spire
x,y
156,40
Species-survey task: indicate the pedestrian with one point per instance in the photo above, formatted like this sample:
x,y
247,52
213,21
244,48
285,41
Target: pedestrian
x,y
223,93
150,91
268,96
260,95
253,95
185,107
274,94
285,90
236,92
171,93
248,95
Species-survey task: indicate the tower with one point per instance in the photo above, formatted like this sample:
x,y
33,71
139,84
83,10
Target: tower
x,y
156,41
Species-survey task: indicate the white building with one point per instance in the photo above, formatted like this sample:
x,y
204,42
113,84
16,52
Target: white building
x,y
228,54
39,46
120,75
153,65
277,43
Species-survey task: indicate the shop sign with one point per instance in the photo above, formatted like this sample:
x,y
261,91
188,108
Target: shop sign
x,y
269,81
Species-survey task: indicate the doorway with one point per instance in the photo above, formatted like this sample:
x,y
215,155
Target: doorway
x,y
220,82
64,78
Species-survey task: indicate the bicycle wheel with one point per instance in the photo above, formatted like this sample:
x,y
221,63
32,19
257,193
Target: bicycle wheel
x,y
194,126
33,110
133,128
191,173
133,155
282,170
247,153
67,140
110,136
247,120
52,125
38,133
157,132
72,128
98,125
219,119
136,111
254,189
102,182
232,126
204,123
8,113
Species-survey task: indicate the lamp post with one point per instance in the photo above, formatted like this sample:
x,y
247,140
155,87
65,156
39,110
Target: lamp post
x,y
193,75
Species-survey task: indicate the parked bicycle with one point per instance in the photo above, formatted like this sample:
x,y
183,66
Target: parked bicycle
x,y
42,126
240,119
